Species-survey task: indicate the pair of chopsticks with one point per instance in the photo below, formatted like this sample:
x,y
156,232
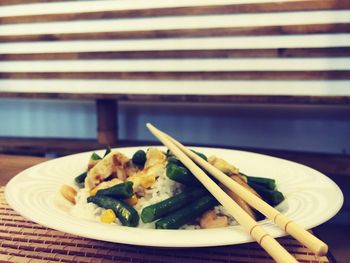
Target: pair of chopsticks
x,y
272,247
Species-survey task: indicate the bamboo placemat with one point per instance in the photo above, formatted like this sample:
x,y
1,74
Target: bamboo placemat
x,y
24,241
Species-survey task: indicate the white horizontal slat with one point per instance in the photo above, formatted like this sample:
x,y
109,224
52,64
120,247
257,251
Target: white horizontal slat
x,y
178,22
91,6
182,65
307,88
207,43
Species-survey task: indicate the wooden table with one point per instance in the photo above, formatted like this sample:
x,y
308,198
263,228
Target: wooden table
x,y
11,165
24,241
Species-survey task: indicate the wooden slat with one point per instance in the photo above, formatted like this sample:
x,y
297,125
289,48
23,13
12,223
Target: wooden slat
x,y
236,75
327,163
236,99
184,11
179,22
16,2
180,65
181,90
236,53
176,33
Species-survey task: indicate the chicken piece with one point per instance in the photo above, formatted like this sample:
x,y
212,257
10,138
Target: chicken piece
x,y
143,179
243,204
156,170
154,156
130,169
113,162
233,172
243,182
211,220
120,173
155,164
92,163
154,167
135,179
140,191
148,181
240,202
223,165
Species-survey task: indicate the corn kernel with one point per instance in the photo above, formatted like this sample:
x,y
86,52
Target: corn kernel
x,y
135,179
107,216
132,200
148,181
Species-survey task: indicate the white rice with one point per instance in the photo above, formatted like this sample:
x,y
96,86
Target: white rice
x,y
83,209
162,189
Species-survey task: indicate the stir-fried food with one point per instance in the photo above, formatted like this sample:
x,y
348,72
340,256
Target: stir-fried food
x,y
153,189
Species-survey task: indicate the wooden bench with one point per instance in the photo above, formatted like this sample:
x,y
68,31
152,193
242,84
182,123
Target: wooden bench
x,y
256,52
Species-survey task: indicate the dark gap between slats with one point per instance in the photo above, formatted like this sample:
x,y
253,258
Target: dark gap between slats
x,y
194,75
186,33
186,54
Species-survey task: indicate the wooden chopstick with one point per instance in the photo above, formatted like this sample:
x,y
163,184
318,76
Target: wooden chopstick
x,y
272,247
306,238
303,236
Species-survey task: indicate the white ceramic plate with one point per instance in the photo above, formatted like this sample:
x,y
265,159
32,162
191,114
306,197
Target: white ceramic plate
x,y
311,199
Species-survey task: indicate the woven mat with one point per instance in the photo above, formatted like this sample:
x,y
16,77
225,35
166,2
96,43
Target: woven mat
x,y
24,241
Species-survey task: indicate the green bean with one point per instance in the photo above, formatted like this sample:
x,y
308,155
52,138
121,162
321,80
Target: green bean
x,y
139,158
79,180
180,174
95,157
187,213
272,197
108,150
119,191
156,211
200,155
127,215
266,182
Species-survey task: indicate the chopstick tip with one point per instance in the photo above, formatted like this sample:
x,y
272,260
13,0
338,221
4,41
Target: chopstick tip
x,y
322,250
